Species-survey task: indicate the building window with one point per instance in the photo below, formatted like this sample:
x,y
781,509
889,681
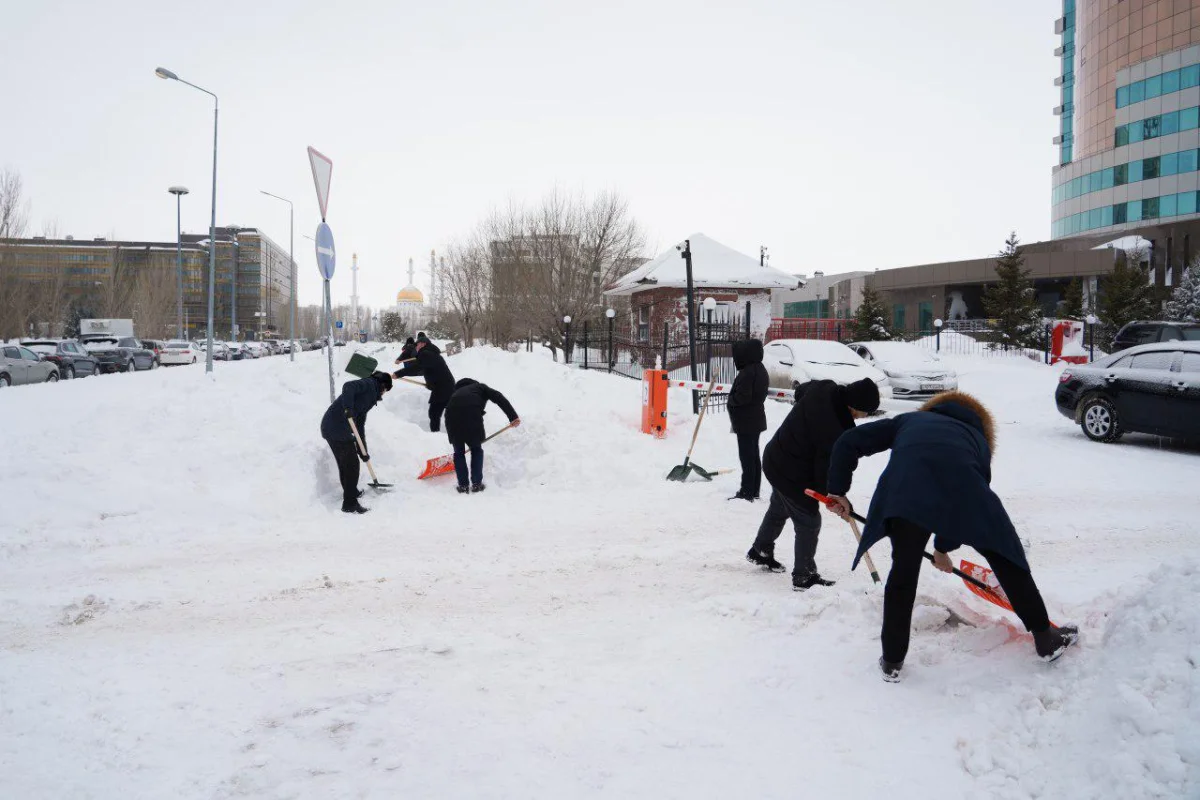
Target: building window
x,y
643,328
898,317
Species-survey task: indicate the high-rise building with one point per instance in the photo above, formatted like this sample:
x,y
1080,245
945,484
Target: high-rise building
x,y
1129,139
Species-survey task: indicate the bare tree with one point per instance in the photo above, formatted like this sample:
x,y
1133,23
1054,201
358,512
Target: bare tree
x,y
465,282
153,299
555,259
14,292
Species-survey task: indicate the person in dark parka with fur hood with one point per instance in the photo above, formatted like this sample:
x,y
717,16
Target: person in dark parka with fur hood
x,y
747,413
937,482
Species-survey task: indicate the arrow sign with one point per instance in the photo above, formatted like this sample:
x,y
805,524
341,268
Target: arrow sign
x,y
322,170
326,253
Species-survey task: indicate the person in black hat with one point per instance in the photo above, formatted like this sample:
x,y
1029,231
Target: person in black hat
x,y
408,353
464,427
357,398
797,458
748,414
438,378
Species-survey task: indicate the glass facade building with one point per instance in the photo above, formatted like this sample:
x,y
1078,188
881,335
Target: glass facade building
x,y
1129,115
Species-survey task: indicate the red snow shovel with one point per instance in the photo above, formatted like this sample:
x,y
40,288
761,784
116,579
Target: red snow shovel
x,y
444,465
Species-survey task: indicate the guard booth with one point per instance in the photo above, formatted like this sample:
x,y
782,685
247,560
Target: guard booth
x,y
654,402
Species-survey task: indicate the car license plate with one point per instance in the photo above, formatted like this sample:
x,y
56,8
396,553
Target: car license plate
x,y
931,387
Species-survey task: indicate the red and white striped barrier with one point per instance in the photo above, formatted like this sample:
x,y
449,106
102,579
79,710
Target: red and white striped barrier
x,y
722,388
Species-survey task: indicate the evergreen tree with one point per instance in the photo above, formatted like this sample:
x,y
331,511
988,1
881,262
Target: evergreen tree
x,y
1127,295
1072,305
392,327
870,323
1184,305
1012,301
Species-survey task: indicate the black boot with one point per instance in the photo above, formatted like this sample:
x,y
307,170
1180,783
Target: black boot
x,y
891,672
354,507
478,487
1053,642
742,496
805,582
764,559
463,489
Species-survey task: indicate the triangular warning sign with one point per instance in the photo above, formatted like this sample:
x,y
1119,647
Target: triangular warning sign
x,y
322,170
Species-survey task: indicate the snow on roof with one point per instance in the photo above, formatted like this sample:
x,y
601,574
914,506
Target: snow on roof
x,y
1127,243
713,265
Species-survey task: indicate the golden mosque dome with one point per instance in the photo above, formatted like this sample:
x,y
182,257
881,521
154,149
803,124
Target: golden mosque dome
x,y
410,294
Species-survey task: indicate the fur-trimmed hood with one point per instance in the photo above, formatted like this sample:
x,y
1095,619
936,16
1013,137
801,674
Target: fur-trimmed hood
x,y
952,403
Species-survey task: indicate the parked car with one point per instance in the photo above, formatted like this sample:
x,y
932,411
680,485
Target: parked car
x,y
120,354
155,346
257,349
237,351
1152,388
791,362
20,365
180,353
1144,332
912,371
220,350
68,355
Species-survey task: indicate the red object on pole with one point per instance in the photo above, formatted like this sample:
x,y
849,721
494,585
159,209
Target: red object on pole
x,y
654,402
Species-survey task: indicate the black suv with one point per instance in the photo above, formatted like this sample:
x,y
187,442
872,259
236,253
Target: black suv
x,y
1153,388
1141,332
72,360
120,353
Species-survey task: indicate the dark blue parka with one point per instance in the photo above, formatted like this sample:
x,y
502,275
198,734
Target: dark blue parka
x,y
358,397
938,476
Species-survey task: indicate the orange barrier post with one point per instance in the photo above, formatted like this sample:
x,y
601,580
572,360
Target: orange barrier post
x,y
654,402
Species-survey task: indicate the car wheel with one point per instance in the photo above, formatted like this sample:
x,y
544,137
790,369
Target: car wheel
x,y
70,374
52,377
131,366
154,363
1099,420
5,381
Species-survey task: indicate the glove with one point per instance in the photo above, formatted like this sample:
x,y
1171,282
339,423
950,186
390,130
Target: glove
x,y
365,456
396,374
349,413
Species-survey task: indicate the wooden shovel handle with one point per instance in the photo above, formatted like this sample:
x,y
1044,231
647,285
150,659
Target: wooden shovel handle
x,y
700,419
362,448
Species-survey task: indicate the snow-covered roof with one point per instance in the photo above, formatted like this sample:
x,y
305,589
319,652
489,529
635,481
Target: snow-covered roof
x,y
713,266
1127,243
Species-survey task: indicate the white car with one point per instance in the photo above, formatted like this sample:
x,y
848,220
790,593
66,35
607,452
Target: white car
x,y
256,349
912,371
180,353
791,362
237,351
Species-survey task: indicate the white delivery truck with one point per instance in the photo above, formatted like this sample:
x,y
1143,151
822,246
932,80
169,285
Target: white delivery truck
x,y
105,327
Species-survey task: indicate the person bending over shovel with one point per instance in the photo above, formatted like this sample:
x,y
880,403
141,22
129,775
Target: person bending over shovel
x,y
938,481
797,458
464,427
438,378
357,398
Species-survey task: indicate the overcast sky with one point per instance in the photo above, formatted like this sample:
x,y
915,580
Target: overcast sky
x,y
854,135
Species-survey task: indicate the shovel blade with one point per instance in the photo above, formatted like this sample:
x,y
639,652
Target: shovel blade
x,y
381,487
681,472
442,465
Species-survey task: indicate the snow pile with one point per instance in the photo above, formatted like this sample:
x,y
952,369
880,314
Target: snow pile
x,y
1122,715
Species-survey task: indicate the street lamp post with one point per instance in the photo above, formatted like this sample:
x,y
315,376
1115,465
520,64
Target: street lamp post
x,y
567,339
179,192
611,314
937,325
291,270
166,74
1091,321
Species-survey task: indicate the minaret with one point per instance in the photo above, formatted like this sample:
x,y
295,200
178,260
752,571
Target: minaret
x,y
354,292
442,265
410,273
432,278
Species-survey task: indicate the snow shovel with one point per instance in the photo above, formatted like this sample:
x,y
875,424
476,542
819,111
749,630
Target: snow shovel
x,y
362,448
415,383
820,498
681,472
444,465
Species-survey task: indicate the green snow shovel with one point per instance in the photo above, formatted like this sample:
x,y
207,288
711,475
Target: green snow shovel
x,y
681,472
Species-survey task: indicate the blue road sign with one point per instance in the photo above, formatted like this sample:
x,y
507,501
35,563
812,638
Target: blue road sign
x,y
326,254
339,323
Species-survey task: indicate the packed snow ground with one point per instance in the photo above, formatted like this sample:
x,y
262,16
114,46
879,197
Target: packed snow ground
x,y
184,612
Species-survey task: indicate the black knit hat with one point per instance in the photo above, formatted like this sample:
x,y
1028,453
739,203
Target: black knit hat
x,y
383,379
421,337
862,395
409,341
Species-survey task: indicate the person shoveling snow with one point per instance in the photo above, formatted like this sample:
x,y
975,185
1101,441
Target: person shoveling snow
x,y
796,458
438,378
464,427
938,479
345,421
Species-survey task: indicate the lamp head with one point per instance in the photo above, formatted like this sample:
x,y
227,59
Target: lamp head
x,y
178,190
610,313
166,74
567,319
937,323
710,303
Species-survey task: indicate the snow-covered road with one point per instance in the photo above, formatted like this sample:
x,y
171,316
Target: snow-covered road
x,y
184,612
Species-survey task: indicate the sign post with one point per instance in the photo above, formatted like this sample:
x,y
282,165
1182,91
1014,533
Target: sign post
x,y
322,170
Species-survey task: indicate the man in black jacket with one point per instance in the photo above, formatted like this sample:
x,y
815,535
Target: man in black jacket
x,y
438,378
408,353
747,413
464,427
797,458
357,398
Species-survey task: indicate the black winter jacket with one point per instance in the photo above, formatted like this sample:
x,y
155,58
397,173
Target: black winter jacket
x,y
797,457
938,476
358,397
464,412
407,352
748,397
431,365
